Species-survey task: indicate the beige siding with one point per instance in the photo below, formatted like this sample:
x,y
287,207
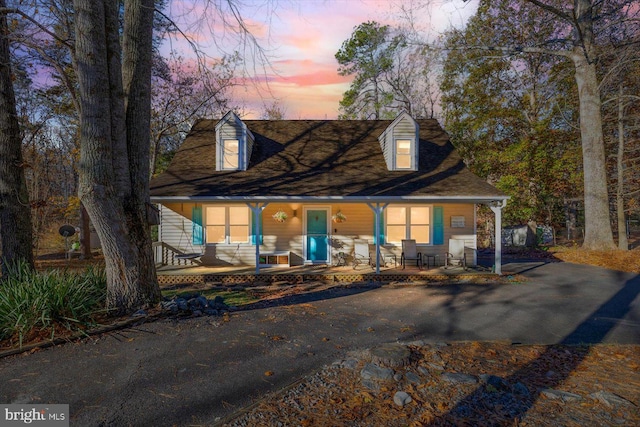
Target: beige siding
x,y
282,236
467,233
176,227
176,230
359,225
288,236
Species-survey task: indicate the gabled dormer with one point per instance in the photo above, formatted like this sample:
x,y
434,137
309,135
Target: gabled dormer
x,y
399,143
234,143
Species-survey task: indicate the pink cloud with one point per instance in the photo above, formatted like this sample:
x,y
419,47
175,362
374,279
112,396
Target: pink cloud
x,y
306,72
301,103
301,39
317,78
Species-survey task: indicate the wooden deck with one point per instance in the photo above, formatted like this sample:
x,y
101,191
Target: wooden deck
x,y
171,275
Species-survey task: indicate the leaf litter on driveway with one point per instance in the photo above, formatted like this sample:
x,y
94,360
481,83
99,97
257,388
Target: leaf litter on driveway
x,y
519,385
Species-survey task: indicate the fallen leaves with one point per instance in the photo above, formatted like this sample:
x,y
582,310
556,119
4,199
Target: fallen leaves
x,y
628,261
337,397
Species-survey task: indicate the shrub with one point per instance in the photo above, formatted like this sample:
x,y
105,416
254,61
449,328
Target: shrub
x,y
36,303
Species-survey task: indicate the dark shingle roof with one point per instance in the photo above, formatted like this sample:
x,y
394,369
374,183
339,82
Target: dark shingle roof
x,y
319,158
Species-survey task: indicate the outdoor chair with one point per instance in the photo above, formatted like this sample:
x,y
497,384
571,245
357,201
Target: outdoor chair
x,y
456,254
361,254
410,253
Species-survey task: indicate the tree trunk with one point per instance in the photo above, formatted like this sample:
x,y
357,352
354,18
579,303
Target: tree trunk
x,y
85,233
597,225
107,199
623,242
15,211
136,73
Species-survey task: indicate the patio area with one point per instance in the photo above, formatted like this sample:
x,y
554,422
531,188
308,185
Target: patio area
x,y
246,274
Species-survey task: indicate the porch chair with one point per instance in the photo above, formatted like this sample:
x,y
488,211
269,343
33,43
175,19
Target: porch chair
x,y
456,254
410,252
361,254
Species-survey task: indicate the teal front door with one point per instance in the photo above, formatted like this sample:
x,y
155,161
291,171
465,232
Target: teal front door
x,y
317,236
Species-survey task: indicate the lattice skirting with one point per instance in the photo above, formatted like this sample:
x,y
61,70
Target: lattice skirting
x,y
300,278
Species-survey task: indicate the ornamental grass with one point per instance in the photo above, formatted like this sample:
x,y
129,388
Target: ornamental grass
x,y
39,305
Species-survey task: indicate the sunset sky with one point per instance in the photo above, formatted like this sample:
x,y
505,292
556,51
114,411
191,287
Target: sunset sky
x,y
301,38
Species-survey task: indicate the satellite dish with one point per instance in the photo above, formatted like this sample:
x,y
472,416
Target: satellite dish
x,y
67,230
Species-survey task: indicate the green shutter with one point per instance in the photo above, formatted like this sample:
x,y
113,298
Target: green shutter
x,y
197,234
438,225
375,238
253,229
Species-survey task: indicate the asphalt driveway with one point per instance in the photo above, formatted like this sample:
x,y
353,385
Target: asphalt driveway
x,y
196,371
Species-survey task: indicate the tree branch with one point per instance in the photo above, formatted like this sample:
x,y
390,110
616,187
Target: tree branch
x,y
633,97
8,10
63,75
516,50
559,13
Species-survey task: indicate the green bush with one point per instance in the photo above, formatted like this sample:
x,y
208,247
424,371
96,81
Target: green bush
x,y
36,303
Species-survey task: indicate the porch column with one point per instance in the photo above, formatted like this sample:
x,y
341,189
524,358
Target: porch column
x,y
257,209
496,207
377,210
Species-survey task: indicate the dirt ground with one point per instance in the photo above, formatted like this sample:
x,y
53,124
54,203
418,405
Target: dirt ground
x,y
528,386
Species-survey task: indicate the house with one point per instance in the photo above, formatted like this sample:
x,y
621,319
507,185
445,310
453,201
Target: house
x,y
305,190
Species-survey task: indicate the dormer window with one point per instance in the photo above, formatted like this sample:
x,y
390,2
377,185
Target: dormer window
x,y
230,154
234,143
403,153
399,143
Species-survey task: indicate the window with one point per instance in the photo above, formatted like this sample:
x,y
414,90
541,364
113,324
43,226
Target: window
x,y
408,222
230,154
403,153
396,224
227,224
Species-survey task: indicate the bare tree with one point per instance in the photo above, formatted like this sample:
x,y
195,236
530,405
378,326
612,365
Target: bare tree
x,y
621,111
182,94
273,111
626,139
415,88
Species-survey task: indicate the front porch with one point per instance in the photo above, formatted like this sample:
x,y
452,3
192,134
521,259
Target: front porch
x,y
245,274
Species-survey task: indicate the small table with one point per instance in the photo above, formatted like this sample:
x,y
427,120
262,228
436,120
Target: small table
x,y
433,257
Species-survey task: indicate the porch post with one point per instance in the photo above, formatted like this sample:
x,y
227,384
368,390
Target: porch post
x,y
377,210
496,207
257,209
